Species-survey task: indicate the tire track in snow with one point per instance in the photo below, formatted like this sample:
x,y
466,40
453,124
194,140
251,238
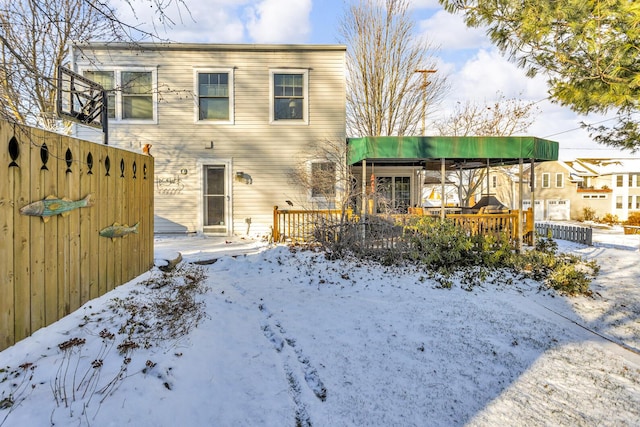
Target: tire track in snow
x,y
295,364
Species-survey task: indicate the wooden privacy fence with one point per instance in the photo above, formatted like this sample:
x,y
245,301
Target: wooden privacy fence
x,y
50,266
571,233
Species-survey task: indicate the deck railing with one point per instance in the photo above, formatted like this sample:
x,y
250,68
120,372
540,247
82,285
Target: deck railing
x,y
301,225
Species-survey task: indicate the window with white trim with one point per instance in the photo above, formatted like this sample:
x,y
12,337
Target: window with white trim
x,y
137,95
618,202
131,93
214,93
619,181
289,96
559,180
107,80
323,179
546,180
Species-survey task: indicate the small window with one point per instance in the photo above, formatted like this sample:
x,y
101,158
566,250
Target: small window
x,y
559,180
137,95
107,80
494,181
619,180
637,202
289,96
546,180
214,89
618,202
630,203
630,180
323,179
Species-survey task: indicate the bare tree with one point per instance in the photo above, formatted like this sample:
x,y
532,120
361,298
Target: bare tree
x,y
385,92
502,117
34,37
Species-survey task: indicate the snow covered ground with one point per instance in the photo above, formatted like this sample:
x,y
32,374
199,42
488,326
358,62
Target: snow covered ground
x,y
290,338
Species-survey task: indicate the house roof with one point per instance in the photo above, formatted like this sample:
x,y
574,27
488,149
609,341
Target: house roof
x,y
466,152
611,166
98,45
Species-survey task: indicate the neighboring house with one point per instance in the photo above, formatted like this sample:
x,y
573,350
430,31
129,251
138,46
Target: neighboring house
x,y
227,124
563,189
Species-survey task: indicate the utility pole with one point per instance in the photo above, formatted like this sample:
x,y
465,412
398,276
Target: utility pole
x,y
425,83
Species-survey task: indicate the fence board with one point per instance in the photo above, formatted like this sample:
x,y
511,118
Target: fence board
x,y
7,279
576,234
22,264
48,269
40,180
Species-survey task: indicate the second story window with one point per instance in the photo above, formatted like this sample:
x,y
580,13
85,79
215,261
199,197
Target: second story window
x,y
131,93
546,178
137,95
619,180
214,90
289,93
107,80
559,180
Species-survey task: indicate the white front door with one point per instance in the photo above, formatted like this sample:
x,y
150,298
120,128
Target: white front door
x,y
216,215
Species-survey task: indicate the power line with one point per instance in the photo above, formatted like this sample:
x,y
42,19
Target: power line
x,y
578,128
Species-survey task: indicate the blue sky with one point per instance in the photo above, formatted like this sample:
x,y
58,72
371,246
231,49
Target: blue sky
x,y
474,67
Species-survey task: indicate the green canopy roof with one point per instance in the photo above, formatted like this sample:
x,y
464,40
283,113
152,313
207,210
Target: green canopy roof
x,y
463,151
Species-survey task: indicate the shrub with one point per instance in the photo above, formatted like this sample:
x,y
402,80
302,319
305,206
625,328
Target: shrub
x,y
610,219
588,214
633,218
445,250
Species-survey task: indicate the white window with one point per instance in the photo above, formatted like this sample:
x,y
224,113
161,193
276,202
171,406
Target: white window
x,y
618,202
619,180
323,180
214,93
289,95
494,181
546,180
559,180
107,80
132,93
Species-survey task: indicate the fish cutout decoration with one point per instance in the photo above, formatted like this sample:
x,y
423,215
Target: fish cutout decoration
x,y
51,206
118,230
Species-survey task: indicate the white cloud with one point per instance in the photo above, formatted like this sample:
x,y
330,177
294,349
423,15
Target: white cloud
x,y
450,32
424,4
279,21
212,21
489,72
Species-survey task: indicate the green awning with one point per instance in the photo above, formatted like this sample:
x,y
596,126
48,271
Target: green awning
x,y
464,151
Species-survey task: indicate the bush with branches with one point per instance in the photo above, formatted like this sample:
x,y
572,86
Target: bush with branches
x,y
633,218
446,251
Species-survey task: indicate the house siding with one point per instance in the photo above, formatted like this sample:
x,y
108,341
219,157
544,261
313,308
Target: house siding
x,y
263,151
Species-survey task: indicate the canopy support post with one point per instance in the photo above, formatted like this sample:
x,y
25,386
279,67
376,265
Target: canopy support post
x,y
363,212
520,205
442,181
532,185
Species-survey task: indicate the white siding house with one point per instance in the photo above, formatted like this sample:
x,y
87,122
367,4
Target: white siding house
x,y
227,123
